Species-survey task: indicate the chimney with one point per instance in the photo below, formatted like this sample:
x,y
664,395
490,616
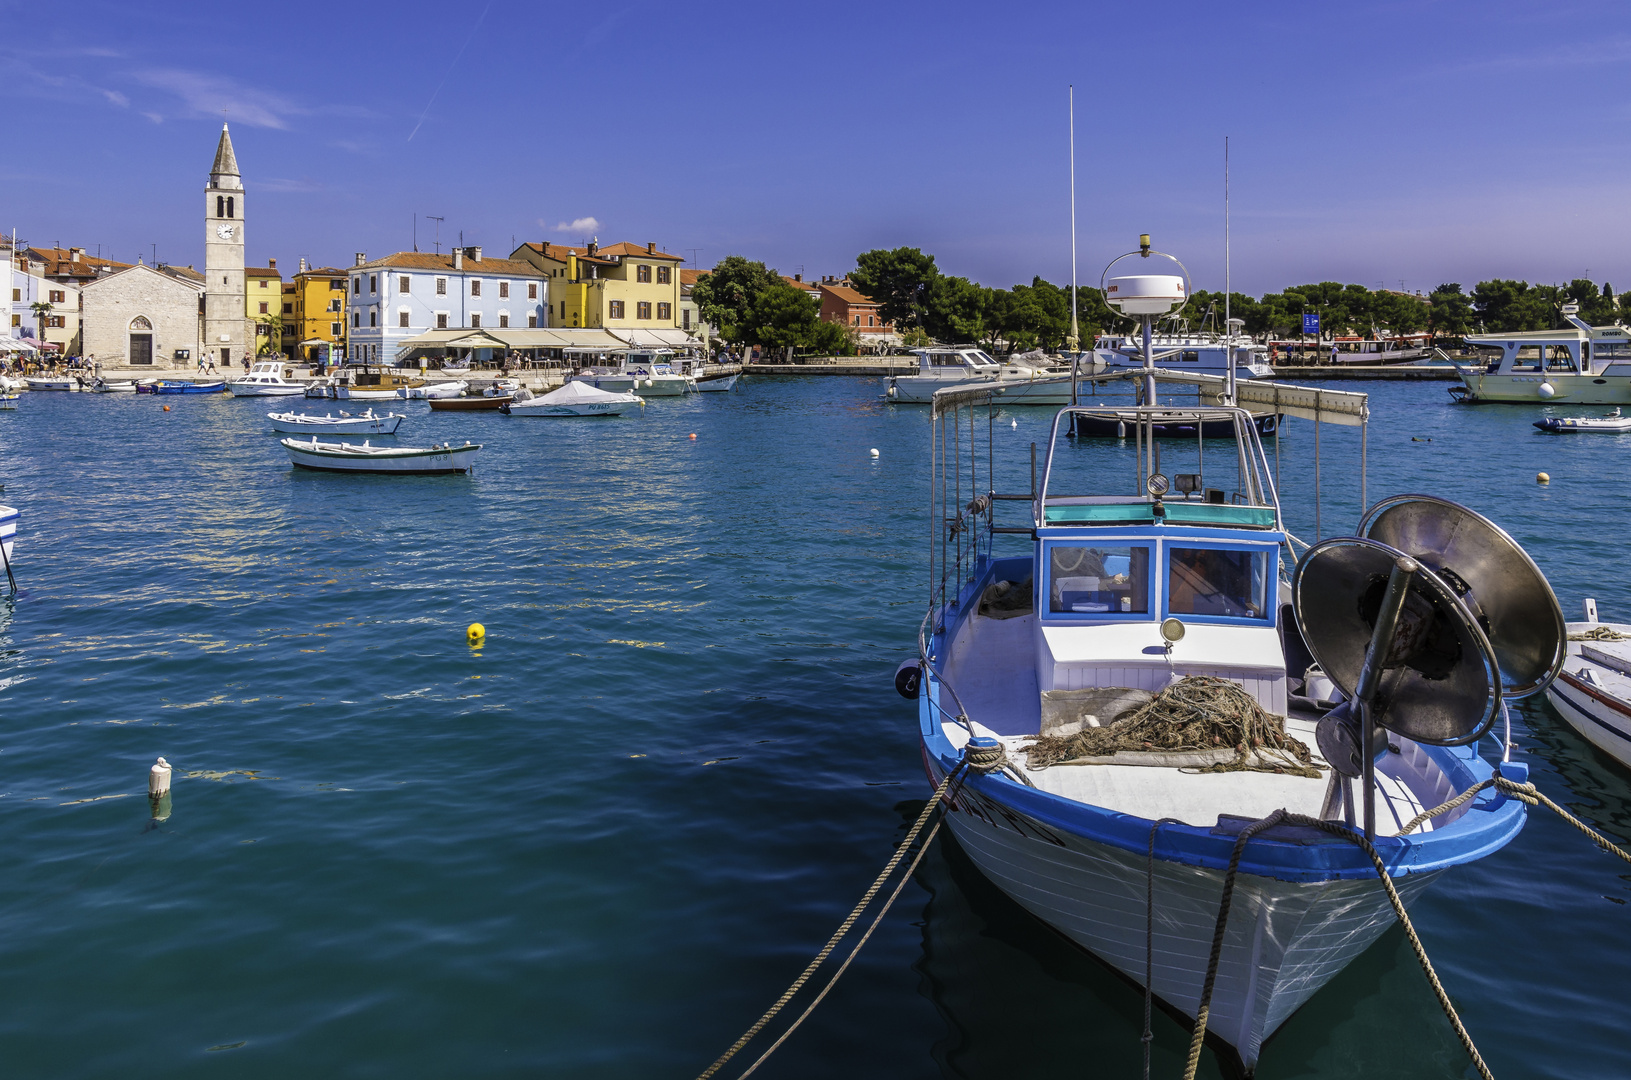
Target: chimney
x,y
545,247
798,278
75,253
271,264
362,257
458,258
651,248
302,264
593,245
473,254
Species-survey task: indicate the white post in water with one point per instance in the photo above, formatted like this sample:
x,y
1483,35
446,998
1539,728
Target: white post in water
x,y
158,778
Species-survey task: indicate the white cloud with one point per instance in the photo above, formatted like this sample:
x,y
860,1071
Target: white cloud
x,y
117,98
577,225
210,95
278,184
155,117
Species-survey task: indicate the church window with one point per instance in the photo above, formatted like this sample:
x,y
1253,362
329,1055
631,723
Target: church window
x,y
441,286
475,320
229,206
475,286
504,290
663,275
220,206
403,284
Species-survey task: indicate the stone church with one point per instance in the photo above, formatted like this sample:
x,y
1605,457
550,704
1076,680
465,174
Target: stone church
x,y
172,316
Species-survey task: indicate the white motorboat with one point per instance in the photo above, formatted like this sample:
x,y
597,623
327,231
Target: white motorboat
x,y
321,388
965,366
9,400
348,392
265,379
636,371
1593,692
1584,364
444,389
100,385
573,399
38,382
366,423
402,460
1612,424
722,382
1202,353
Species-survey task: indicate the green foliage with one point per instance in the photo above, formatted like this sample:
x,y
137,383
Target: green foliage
x,y
830,339
1503,305
901,281
782,316
726,297
1450,311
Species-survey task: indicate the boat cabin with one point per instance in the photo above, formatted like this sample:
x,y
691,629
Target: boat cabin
x,y
1204,353
958,362
1580,350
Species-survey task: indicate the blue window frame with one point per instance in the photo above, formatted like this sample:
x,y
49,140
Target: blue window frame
x,y
1097,578
1220,583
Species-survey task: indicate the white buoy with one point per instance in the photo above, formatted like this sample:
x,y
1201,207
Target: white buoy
x,y
1543,478
1547,390
1014,422
874,451
158,778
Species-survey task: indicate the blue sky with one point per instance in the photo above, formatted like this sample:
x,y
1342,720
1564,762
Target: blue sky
x,y
1421,142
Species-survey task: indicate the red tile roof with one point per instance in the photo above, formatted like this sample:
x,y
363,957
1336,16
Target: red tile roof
x,y
849,296
424,260
636,250
261,271
691,277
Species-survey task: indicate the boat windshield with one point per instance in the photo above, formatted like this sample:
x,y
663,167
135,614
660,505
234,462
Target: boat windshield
x,y
1217,581
1099,579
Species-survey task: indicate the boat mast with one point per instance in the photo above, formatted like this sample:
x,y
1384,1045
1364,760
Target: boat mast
x,y
1228,326
1075,335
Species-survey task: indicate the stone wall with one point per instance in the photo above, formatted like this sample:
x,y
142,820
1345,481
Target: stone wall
x,y
113,303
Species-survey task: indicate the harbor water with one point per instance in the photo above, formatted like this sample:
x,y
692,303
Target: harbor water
x,y
600,844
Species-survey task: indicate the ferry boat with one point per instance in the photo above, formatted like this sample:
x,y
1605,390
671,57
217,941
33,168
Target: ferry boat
x,y
1583,364
1139,584
265,379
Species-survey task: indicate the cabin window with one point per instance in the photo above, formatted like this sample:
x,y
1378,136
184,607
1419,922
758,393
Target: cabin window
x,y
1191,356
1217,581
1527,359
1559,358
1098,580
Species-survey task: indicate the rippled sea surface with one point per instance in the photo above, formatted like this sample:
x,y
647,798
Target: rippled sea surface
x,y
601,844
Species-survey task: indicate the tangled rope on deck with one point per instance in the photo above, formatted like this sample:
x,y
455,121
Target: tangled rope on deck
x,y
1197,713
1599,633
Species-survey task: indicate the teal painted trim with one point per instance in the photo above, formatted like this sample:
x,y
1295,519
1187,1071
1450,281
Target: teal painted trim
x,y
1178,513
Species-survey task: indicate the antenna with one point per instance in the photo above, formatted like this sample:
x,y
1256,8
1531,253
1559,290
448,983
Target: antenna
x,y
693,252
438,221
416,232
1075,335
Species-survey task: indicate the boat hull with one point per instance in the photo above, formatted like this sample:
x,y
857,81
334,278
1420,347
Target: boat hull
x,y
188,387
1614,389
293,424
434,462
1285,939
586,408
9,517
713,384
1601,719
354,393
126,386
52,384
469,404
266,389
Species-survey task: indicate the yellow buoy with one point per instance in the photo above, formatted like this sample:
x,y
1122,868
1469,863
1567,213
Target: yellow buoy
x,y
1543,478
167,408
475,633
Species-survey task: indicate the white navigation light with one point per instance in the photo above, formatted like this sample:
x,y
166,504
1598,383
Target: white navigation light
x,y
1145,294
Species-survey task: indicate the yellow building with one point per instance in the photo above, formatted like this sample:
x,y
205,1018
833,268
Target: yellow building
x,y
623,286
317,314
263,305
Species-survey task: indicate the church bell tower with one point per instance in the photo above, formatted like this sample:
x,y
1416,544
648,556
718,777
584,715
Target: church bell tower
x,y
225,338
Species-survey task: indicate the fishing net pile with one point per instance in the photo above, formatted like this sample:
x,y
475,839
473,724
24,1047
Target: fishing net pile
x,y
1199,722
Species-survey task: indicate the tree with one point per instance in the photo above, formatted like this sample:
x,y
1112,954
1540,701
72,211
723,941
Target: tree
x,y
1503,305
726,297
827,338
1449,311
899,281
41,309
272,333
782,316
956,310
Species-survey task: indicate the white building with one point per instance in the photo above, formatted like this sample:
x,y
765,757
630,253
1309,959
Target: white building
x,y
61,321
403,295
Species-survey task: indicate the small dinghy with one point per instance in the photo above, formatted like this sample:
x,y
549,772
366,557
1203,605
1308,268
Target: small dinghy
x,y
9,516
115,386
170,386
9,401
446,389
345,424
1613,423
1593,691
721,382
41,383
573,399
403,460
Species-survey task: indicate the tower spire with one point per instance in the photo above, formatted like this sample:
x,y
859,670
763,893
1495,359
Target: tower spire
x,y
226,162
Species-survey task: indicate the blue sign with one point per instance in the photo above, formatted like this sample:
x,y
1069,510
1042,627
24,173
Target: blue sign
x,y
1311,322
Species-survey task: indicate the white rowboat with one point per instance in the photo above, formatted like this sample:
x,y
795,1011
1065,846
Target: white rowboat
x,y
574,399
8,529
345,424
402,460
1593,691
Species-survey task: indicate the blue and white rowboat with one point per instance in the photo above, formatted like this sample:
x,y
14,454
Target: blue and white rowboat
x,y
9,517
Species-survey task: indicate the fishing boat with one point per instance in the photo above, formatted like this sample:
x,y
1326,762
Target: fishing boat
x,y
100,385
1581,364
1060,679
174,386
1612,424
717,383
401,460
366,423
572,399
265,379
51,382
445,389
478,403
1593,691
372,382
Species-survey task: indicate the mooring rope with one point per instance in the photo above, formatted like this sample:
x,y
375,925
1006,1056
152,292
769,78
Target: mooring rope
x,y
1149,938
1526,793
844,928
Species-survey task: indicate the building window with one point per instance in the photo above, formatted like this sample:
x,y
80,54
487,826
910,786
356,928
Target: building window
x,y
373,317
264,283
356,318
441,286
563,311
642,309
58,321
288,331
475,286
665,275
402,318
475,320
373,283
857,320
220,206
532,322
503,322
16,295
441,320
665,311
333,329
504,290
686,318
334,305
263,307
229,206
403,284
57,296
356,286
615,309
869,320
336,285
642,273
288,309
532,290
16,320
